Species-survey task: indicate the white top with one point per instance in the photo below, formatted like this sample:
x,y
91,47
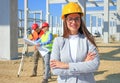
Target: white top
x,y
73,39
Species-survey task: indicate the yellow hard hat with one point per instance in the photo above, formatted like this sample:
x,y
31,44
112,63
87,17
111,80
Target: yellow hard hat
x,y
71,7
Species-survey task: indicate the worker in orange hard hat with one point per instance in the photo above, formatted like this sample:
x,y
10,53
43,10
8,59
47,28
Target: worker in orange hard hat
x,y
74,56
35,35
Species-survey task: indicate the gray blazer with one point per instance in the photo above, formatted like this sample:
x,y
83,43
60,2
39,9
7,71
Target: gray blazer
x,y
79,71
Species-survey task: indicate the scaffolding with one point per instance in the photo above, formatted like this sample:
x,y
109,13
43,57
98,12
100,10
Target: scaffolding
x,y
33,17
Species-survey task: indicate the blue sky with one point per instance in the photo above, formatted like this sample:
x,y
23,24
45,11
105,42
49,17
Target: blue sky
x,y
41,5
55,9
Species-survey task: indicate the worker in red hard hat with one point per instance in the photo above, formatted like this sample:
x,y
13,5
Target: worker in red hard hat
x,y
34,26
36,32
35,35
45,24
46,41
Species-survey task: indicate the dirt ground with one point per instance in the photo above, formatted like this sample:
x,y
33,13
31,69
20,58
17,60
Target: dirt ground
x,y
108,72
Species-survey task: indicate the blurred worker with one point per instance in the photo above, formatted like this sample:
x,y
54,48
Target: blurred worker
x,y
46,41
36,34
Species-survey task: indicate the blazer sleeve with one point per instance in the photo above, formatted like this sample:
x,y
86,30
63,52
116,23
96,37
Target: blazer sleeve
x,y
88,66
75,68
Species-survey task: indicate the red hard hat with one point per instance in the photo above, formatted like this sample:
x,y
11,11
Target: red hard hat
x,y
45,24
34,26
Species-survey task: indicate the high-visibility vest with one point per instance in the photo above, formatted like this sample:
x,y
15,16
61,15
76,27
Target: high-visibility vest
x,y
44,38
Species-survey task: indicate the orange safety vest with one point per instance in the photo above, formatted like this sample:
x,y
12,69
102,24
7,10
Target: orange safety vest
x,y
35,35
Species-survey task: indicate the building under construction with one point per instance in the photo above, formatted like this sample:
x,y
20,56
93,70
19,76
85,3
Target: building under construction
x,y
102,19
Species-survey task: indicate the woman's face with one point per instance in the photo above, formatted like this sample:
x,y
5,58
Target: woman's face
x,y
73,22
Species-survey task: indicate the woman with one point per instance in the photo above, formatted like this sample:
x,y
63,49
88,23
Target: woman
x,y
74,56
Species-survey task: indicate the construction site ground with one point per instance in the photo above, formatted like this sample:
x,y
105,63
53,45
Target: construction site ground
x,y
108,72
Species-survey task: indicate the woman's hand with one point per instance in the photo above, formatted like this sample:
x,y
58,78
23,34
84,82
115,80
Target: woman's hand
x,y
90,56
58,64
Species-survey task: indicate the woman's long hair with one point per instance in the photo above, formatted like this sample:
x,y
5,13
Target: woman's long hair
x,y
82,30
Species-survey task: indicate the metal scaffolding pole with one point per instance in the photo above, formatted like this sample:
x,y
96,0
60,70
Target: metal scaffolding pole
x,y
118,20
91,24
25,17
83,4
106,21
25,48
47,14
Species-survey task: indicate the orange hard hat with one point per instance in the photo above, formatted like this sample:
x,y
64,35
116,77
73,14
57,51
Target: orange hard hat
x,y
45,24
34,26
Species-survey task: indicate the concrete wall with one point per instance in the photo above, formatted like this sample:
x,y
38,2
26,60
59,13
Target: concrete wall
x,y
8,29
